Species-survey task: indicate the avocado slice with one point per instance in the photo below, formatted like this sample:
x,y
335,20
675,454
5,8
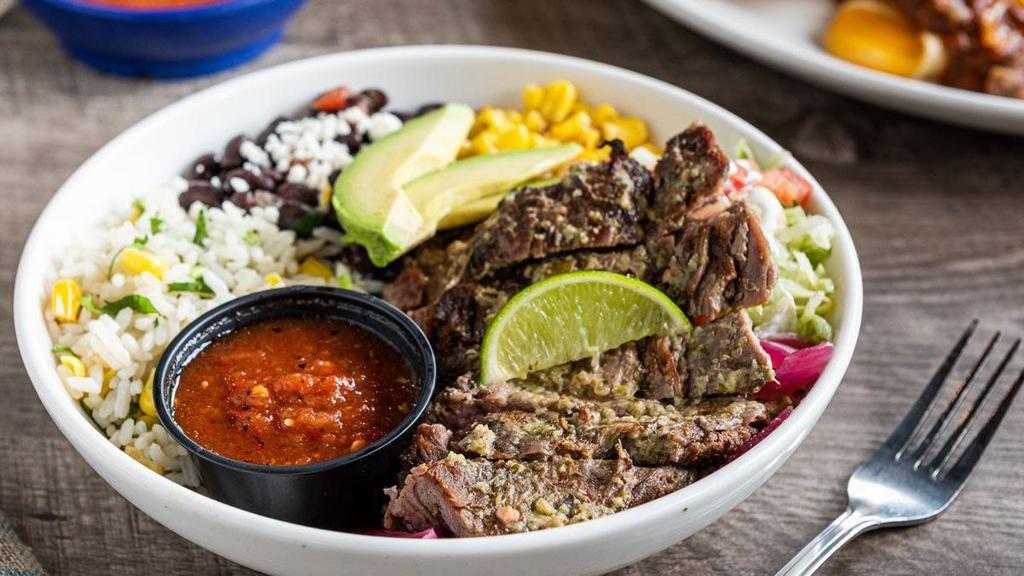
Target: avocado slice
x,y
438,193
368,197
471,213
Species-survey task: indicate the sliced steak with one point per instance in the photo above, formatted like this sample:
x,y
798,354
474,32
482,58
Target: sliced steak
x,y
427,272
725,357
429,443
704,433
688,178
456,325
595,205
617,373
713,266
463,403
719,358
480,498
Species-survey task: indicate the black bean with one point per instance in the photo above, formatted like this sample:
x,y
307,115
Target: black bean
x,y
204,167
333,177
201,191
403,116
378,99
255,181
274,175
249,200
244,200
361,101
265,134
354,141
291,212
295,192
232,156
429,107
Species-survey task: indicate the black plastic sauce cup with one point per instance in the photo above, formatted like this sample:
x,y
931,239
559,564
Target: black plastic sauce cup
x,y
343,493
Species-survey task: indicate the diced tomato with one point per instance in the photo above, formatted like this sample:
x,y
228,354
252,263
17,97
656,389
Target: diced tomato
x,y
740,174
788,186
332,100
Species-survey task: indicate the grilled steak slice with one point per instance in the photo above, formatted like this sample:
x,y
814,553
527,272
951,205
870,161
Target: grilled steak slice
x,y
481,498
713,266
426,273
630,261
456,324
721,357
594,206
708,431
617,373
429,443
688,178
463,403
725,357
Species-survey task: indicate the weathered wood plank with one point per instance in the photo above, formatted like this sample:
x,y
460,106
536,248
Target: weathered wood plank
x,y
937,213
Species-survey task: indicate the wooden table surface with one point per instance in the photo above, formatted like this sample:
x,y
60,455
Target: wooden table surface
x,y
937,213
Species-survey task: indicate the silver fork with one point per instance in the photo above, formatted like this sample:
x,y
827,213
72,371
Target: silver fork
x,y
899,486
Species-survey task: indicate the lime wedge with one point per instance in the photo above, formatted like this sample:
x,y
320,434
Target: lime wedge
x,y
572,316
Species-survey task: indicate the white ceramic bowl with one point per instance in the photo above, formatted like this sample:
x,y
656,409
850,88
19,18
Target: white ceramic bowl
x,y
160,146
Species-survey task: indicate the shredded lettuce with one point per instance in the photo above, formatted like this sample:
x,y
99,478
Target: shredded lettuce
x,y
804,294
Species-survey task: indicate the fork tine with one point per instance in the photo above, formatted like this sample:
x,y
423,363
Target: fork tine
x,y
954,404
959,473
898,439
950,446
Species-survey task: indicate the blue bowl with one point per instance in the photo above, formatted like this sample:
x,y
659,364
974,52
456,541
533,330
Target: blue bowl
x,y
166,43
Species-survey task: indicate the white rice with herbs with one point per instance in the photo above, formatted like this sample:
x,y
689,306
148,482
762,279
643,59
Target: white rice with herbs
x,y
242,253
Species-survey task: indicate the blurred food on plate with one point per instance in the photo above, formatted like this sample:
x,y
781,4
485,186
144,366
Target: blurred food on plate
x,y
971,44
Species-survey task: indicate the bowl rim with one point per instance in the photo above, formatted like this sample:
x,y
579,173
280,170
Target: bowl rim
x,y
209,319
39,363
214,8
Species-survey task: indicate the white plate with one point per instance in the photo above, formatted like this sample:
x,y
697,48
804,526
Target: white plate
x,y
160,146
786,33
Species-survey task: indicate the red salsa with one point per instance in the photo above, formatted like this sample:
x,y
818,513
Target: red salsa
x,y
294,391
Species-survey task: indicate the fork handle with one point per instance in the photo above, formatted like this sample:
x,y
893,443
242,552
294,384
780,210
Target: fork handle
x,y
839,532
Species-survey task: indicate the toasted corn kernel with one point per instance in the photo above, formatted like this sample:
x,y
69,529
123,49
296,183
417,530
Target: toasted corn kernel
x,y
596,155
66,300
325,196
135,261
73,364
559,98
541,141
589,138
108,375
484,143
571,127
357,444
312,266
533,96
603,113
489,118
143,459
146,402
273,279
535,122
632,131
515,138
